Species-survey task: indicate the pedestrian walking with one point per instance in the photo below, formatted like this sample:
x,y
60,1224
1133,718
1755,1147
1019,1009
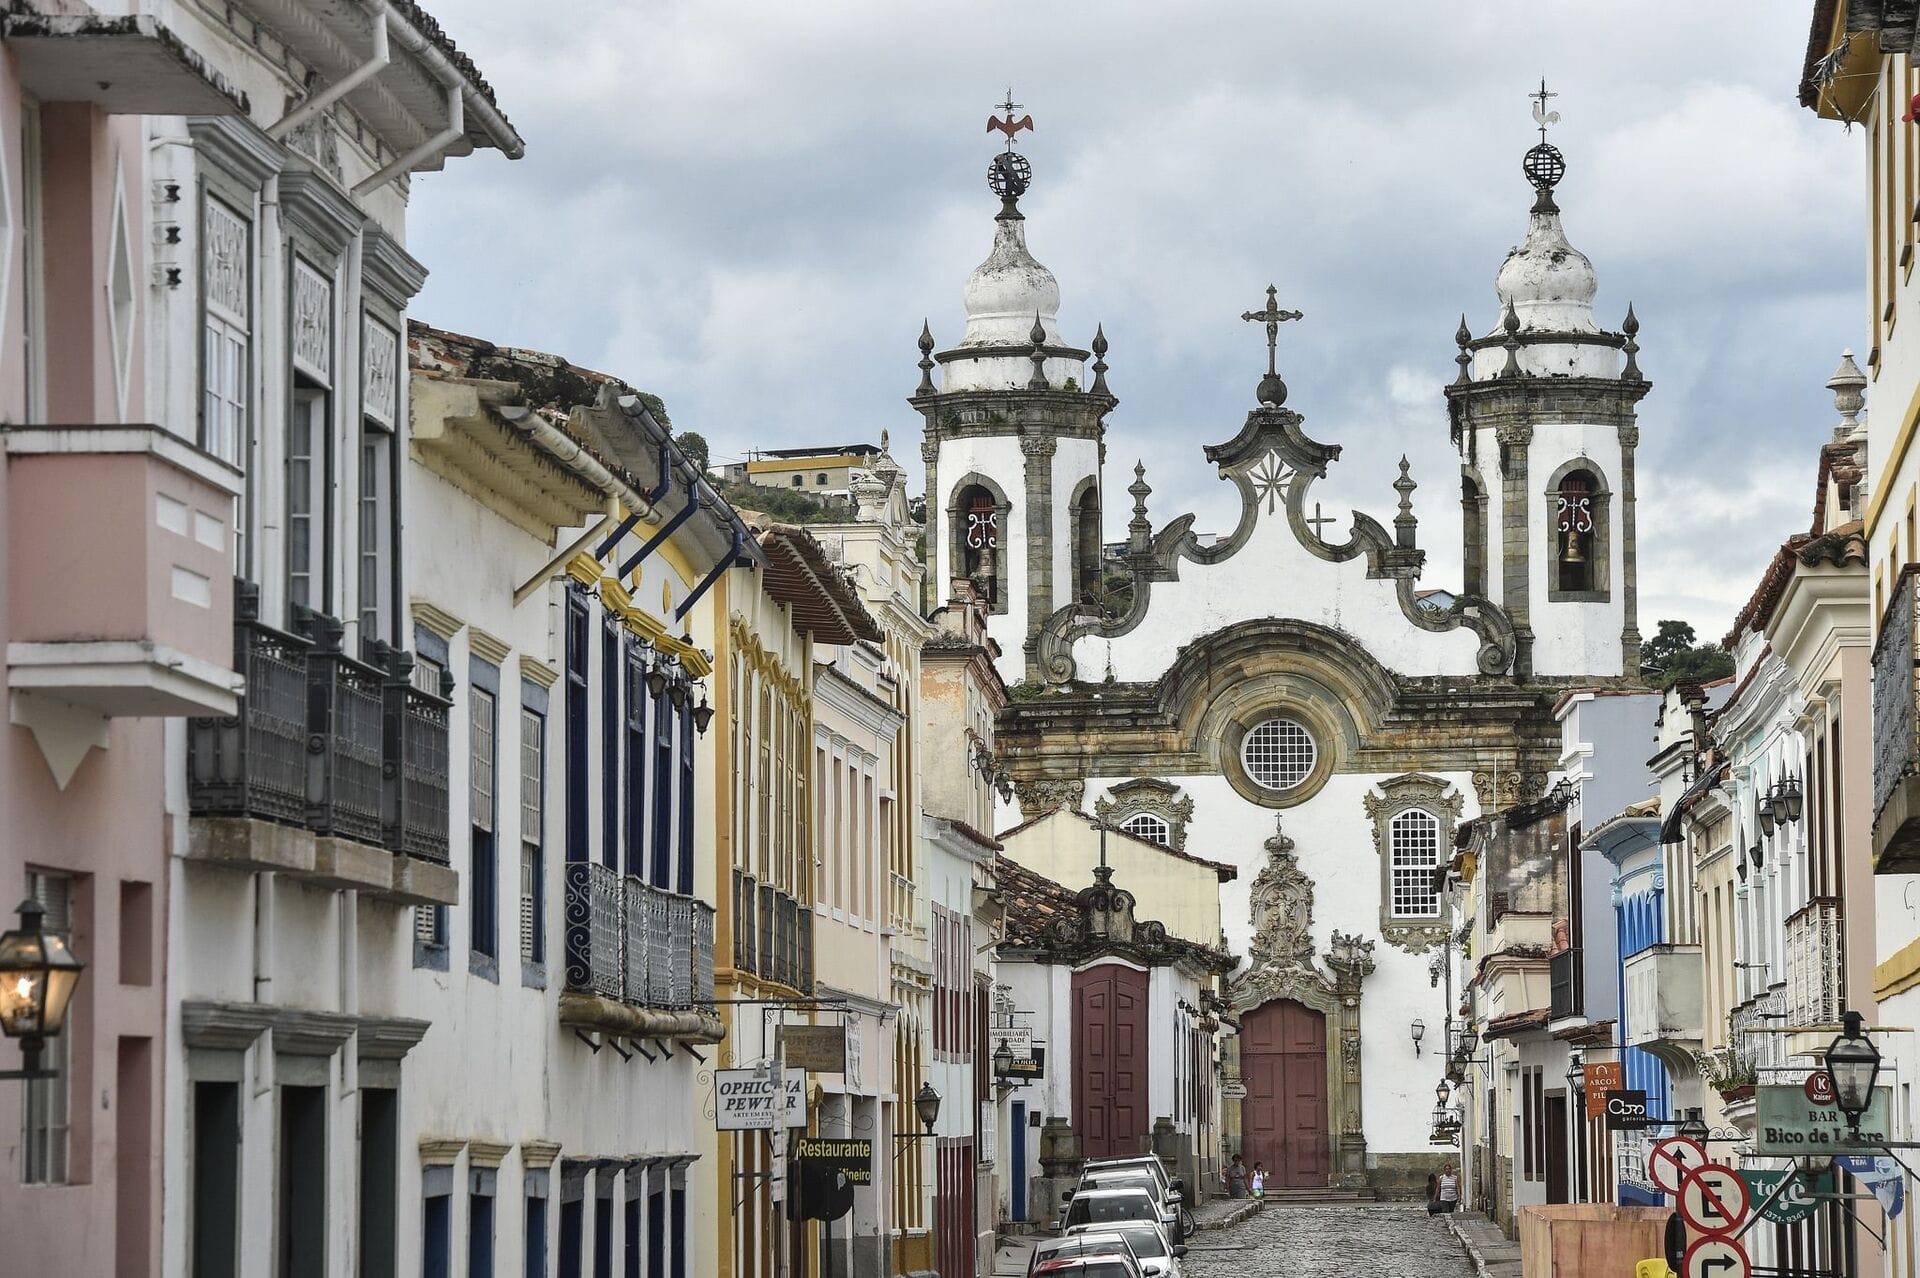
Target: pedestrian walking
x,y
1449,1190
1237,1177
1259,1180
1433,1193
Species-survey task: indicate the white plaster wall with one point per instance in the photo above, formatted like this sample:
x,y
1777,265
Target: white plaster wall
x,y
1333,840
999,458
1012,372
1568,637
1073,461
1549,359
1273,575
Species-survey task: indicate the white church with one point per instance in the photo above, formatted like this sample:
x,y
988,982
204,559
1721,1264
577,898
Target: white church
x,y
1291,698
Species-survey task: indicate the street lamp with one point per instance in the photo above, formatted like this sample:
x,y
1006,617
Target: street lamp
x,y
1790,788
37,977
1853,1062
1694,1126
1576,1073
703,713
927,1105
1419,1029
1002,1060
1440,1092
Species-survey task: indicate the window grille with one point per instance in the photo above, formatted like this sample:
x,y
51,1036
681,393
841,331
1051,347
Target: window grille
x,y
1150,827
1278,754
1414,843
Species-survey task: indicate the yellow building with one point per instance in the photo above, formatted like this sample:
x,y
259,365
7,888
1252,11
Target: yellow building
x,y
825,468
764,944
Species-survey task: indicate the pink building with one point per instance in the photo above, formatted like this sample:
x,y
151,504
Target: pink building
x,y
202,400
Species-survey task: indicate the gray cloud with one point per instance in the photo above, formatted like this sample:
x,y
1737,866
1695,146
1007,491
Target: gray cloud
x,y
748,208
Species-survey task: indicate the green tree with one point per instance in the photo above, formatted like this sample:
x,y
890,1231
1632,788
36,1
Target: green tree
x,y
1674,655
694,445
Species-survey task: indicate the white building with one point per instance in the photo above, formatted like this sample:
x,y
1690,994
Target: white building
x,y
1370,720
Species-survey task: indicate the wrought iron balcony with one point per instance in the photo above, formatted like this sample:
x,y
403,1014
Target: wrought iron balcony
x,y
1563,984
254,763
631,943
1896,731
328,764
1814,964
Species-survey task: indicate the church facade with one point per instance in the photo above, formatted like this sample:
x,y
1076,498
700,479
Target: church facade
x,y
1315,714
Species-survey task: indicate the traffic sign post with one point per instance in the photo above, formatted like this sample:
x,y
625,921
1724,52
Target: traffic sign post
x,y
1716,1257
1671,1160
1713,1199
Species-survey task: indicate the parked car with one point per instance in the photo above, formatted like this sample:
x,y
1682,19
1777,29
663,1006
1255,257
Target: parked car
x,y
1150,1163
1151,1244
1132,1177
1094,1241
1106,1206
1092,1267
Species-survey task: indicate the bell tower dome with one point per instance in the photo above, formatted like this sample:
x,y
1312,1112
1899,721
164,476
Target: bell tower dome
x,y
1014,435
1544,415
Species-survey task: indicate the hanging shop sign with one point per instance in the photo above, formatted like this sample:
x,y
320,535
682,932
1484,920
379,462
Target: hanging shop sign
x,y
1035,1066
752,1100
1879,1175
1233,1089
1787,1124
1018,1038
1790,1205
1598,1078
820,1048
852,1157
1626,1110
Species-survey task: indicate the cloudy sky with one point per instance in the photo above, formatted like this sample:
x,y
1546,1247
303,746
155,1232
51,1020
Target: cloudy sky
x,y
748,209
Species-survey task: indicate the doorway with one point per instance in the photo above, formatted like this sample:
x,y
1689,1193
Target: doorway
x,y
1283,1061
1110,1060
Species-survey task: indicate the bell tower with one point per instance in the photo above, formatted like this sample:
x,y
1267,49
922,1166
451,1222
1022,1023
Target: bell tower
x,y
1544,415
1014,435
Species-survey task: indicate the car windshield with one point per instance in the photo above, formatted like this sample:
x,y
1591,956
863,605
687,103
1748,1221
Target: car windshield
x,y
1146,1243
1143,1181
1089,1209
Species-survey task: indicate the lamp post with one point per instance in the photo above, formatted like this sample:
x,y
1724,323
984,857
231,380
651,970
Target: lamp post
x,y
37,978
1853,1062
1576,1077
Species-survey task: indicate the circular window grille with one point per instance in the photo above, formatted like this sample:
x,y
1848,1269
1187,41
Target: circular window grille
x,y
1277,754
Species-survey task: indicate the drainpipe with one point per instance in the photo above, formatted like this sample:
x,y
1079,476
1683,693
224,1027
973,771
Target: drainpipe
x,y
575,458
374,65
553,566
432,147
489,115
654,496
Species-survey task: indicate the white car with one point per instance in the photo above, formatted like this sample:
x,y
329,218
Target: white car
x,y
1108,1206
1181,1225
1158,1254
1097,1241
1129,1177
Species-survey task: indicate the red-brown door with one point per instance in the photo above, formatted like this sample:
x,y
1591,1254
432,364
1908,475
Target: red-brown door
x,y
1110,1060
1283,1120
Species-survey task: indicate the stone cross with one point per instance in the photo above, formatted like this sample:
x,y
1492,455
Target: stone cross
x,y
1317,521
1272,317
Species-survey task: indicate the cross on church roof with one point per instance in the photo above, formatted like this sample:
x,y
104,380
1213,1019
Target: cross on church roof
x,y
1008,125
1542,116
1272,390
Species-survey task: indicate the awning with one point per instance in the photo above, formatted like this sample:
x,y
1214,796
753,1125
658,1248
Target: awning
x,y
125,66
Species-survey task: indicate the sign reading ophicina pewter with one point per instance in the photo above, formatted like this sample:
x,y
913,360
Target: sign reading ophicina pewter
x,y
743,1100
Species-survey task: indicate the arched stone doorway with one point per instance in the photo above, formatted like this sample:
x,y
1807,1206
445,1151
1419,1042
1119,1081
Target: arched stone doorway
x,y
1283,1120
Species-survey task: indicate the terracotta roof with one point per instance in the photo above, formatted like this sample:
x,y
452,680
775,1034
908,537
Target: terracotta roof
x,y
1518,1022
1846,544
1817,33
972,835
823,600
1766,596
1033,903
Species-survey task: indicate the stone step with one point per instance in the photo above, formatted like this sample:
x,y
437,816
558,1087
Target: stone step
x,y
1311,1194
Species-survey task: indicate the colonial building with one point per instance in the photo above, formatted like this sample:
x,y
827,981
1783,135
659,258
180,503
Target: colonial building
x,y
1375,717
205,211
575,673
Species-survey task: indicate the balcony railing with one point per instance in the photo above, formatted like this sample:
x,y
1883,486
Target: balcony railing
x,y
636,943
1814,974
324,742
1563,984
254,763
344,737
1896,730
1749,1031
772,934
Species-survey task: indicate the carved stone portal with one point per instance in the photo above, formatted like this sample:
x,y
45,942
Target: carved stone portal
x,y
1148,797
1281,966
1411,792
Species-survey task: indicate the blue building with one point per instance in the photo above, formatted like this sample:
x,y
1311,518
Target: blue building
x,y
1630,843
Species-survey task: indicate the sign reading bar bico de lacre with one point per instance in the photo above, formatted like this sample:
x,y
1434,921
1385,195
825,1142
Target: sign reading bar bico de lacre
x,y
1787,1123
747,1100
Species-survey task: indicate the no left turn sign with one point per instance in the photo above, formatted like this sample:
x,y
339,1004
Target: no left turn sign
x,y
1713,1199
1716,1258
1671,1160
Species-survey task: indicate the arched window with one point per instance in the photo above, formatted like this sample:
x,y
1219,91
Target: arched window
x,y
798,480
1413,840
1089,585
820,480
1150,827
1575,520
977,529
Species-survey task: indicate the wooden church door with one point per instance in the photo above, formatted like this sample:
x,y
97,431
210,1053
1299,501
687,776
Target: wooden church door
x,y
1283,1120
1110,1060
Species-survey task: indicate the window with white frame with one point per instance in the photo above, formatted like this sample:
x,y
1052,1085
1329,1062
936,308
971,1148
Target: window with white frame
x,y
533,806
226,272
1278,754
48,1100
1414,839
1153,828
380,346
309,429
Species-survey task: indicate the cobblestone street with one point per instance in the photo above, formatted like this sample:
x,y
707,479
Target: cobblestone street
x,y
1355,1241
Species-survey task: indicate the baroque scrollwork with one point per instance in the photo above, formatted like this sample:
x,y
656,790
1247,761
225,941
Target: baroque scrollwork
x,y
1040,795
1151,797
1273,460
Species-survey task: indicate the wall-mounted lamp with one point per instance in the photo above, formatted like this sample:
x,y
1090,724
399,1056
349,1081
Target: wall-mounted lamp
x,y
1419,1031
38,974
